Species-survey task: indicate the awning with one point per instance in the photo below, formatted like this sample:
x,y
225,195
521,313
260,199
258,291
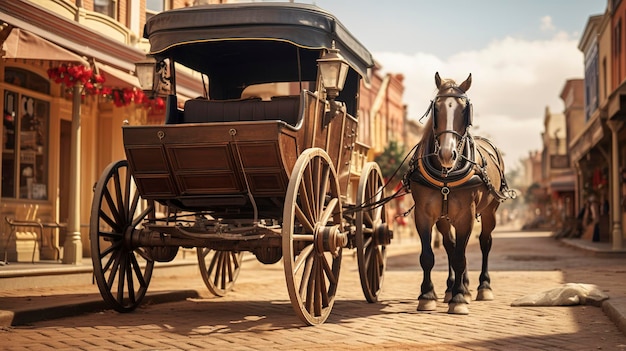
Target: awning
x,y
563,183
21,44
116,78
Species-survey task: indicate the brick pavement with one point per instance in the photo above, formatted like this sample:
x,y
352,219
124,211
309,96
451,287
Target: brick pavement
x,y
257,315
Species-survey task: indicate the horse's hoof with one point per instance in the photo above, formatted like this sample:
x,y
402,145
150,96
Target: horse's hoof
x,y
458,308
448,297
426,305
484,295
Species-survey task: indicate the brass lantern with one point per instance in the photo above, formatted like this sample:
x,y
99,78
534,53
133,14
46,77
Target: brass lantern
x,y
146,73
334,70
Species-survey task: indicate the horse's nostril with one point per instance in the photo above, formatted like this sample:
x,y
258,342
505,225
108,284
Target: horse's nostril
x,y
454,155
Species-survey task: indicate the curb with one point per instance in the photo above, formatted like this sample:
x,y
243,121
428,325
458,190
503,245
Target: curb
x,y
88,305
615,309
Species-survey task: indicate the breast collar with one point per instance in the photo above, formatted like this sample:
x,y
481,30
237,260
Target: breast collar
x,y
424,172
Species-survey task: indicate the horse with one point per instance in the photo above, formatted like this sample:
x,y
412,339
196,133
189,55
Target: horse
x,y
454,178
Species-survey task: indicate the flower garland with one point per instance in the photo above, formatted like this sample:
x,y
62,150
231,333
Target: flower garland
x,y
70,75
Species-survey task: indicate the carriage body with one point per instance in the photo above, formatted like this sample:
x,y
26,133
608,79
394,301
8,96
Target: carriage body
x,y
217,166
240,169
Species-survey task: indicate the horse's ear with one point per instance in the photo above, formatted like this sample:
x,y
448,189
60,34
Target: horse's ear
x,y
437,80
467,83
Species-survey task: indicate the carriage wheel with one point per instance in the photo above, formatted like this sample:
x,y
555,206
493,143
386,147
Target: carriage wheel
x,y
122,272
219,269
312,236
372,233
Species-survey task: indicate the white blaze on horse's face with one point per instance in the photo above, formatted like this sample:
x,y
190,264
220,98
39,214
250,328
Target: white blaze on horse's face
x,y
449,114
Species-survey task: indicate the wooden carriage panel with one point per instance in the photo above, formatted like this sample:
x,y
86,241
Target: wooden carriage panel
x,y
151,171
262,167
206,159
204,169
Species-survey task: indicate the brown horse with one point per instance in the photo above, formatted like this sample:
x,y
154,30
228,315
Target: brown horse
x,y
455,178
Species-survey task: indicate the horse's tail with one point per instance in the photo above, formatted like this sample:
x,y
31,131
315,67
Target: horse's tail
x,y
487,147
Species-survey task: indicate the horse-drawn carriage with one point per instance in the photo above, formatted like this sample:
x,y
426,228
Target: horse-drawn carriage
x,y
243,169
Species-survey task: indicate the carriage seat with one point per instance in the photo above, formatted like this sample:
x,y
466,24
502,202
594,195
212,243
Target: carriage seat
x,y
284,108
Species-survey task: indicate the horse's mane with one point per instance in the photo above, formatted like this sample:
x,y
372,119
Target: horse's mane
x,y
447,83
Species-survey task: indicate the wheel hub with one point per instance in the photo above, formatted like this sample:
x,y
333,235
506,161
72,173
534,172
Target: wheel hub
x,y
382,234
330,239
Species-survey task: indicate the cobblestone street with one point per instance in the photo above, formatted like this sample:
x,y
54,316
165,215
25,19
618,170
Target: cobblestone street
x,y
257,315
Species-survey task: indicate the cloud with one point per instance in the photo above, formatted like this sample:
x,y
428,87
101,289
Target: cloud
x,y
546,24
513,81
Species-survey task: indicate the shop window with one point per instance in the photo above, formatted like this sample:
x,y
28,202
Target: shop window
x,y
25,147
105,7
27,80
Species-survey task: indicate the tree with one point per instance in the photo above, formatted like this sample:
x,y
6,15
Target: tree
x,y
390,162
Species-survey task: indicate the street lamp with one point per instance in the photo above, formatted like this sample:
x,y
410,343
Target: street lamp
x,y
145,70
334,70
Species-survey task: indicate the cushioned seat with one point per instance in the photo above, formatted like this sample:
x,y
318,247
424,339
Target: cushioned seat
x,y
284,108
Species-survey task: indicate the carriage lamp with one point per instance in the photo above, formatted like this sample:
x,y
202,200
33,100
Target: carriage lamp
x,y
334,70
145,70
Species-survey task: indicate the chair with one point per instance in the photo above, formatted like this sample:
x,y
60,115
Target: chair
x,y
29,213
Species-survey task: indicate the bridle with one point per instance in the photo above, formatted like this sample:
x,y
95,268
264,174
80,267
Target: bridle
x,y
461,138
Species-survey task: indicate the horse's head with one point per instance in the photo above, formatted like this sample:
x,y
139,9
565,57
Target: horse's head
x,y
451,118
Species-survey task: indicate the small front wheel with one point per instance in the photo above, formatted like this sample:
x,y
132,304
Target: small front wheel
x,y
372,232
219,269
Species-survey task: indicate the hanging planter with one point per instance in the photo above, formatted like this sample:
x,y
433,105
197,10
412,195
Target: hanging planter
x,y
71,74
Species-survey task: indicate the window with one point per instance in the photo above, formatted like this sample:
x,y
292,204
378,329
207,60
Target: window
x,y
153,7
24,141
105,7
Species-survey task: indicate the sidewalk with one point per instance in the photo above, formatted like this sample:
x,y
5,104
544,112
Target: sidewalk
x,y
48,290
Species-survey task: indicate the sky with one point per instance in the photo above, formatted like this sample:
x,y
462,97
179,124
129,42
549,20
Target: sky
x,y
520,54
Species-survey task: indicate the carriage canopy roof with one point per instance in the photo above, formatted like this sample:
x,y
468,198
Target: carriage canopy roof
x,y
253,42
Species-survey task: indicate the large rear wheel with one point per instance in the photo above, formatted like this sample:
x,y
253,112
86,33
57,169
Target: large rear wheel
x,y
312,236
122,271
372,232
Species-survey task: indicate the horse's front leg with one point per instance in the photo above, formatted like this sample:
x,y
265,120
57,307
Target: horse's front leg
x,y
444,227
427,301
488,224
459,292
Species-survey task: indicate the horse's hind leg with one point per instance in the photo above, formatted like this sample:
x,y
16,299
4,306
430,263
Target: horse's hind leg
x,y
488,225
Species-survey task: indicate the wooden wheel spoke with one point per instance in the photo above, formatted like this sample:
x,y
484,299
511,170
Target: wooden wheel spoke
x,y
218,269
306,277
122,278
130,283
117,216
126,199
328,211
119,200
133,203
302,257
137,270
233,256
112,248
303,219
143,253
111,236
308,196
328,270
